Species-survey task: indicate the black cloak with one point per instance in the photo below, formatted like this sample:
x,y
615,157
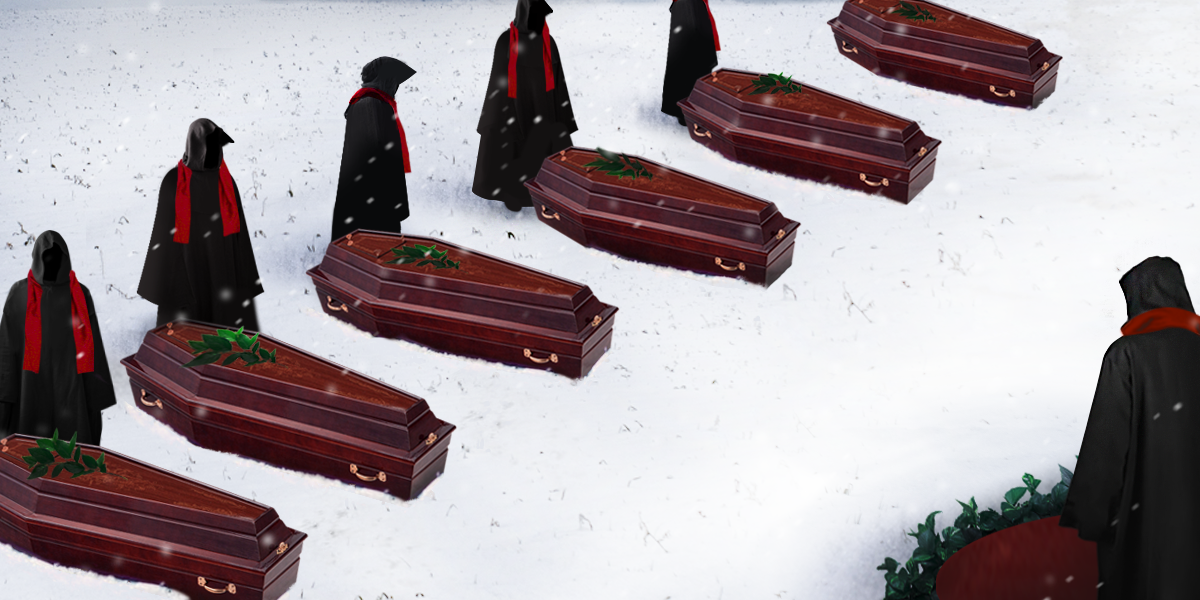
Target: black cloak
x,y
691,53
57,396
371,192
517,134
212,278
1136,486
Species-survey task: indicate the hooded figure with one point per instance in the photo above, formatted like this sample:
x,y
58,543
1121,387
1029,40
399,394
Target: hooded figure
x,y
53,371
371,191
1137,483
691,52
527,114
200,265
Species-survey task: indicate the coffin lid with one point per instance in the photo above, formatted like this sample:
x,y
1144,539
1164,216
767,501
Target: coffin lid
x,y
668,189
950,26
811,105
148,490
478,274
319,381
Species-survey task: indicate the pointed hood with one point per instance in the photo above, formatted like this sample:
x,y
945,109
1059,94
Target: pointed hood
x,y
386,74
531,15
51,259
1156,282
204,144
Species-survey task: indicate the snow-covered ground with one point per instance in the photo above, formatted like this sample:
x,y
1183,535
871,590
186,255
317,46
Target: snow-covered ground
x,y
736,442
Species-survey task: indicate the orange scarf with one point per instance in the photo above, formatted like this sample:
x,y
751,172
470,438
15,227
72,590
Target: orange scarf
x,y
81,326
183,203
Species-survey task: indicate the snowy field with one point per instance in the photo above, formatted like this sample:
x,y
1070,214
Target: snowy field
x,y
736,442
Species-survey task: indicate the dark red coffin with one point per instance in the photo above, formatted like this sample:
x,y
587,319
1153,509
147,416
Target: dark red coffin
x,y
1030,561
153,526
811,134
672,218
954,53
301,412
487,308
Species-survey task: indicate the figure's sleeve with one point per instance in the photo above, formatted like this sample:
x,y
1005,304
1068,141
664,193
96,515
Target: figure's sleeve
x,y
247,268
161,276
562,98
1095,494
11,350
498,108
100,393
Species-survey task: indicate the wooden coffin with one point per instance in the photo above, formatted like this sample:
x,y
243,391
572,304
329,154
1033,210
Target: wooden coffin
x,y
486,308
671,218
152,526
1035,560
301,412
811,134
954,52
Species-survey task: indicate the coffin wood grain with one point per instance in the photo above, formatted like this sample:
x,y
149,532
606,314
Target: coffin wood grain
x,y
278,414
812,134
153,526
956,53
488,308
674,218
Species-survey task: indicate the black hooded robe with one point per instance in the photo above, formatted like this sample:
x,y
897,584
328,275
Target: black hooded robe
x,y
517,134
212,278
372,192
691,53
1136,488
57,396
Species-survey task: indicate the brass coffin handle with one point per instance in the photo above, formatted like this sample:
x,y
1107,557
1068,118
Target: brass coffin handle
x,y
922,151
431,439
381,477
848,49
282,548
779,234
156,402
541,361
330,306
1045,66
596,320
863,178
1010,93
740,266
550,215
696,130
232,589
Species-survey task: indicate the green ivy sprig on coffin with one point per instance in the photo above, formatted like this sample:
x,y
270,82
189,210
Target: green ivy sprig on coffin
x,y
915,580
913,12
41,459
620,165
775,84
212,347
422,255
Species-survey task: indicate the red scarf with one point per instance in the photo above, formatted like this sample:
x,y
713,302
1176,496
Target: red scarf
x,y
716,40
378,95
183,203
512,59
1162,318
81,326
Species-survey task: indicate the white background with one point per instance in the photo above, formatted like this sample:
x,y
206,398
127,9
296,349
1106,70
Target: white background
x,y
736,442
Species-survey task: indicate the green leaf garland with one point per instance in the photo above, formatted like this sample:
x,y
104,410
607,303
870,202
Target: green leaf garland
x,y
913,12
211,348
772,83
41,459
423,256
619,165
